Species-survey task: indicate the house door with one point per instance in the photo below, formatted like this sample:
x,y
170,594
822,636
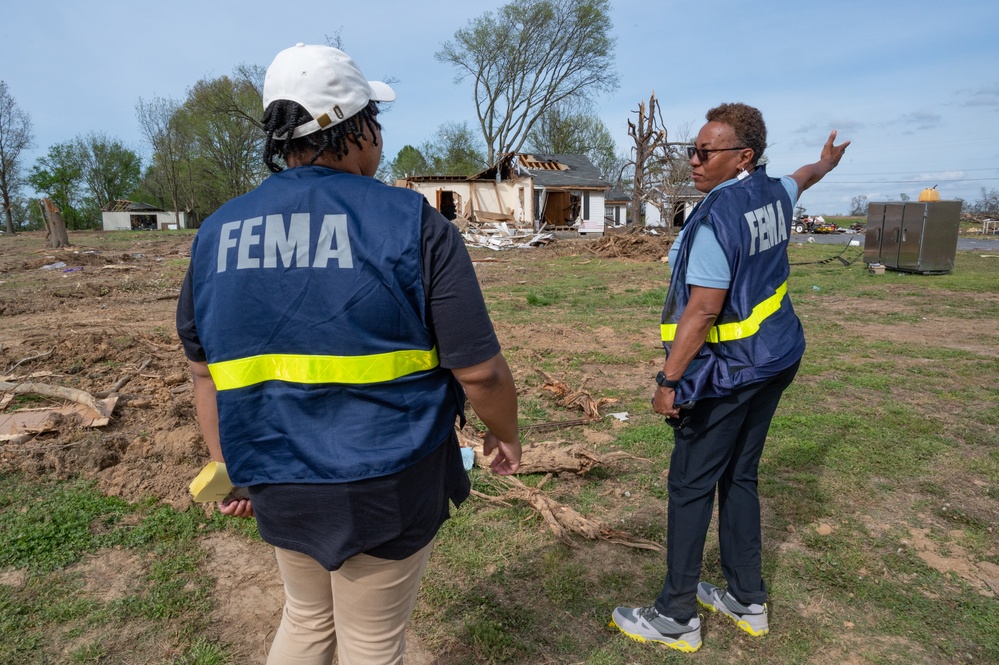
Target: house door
x,y
561,209
447,204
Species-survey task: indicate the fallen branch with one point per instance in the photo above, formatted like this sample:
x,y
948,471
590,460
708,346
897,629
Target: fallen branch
x,y
61,392
556,457
556,425
569,397
24,360
562,520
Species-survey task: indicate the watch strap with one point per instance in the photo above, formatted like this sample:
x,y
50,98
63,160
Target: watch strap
x,y
666,383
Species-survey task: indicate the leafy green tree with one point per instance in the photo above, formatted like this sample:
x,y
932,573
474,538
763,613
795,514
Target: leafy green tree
x,y
529,56
409,161
221,116
207,149
58,176
568,129
109,171
81,176
27,216
454,150
15,138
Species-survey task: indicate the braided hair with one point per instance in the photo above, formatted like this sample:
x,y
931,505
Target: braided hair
x,y
282,117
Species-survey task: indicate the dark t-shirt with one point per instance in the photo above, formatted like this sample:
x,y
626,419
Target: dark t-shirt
x,y
394,516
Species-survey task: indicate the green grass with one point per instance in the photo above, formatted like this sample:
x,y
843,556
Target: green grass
x,y
878,485
48,528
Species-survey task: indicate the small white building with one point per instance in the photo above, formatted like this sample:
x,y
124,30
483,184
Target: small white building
x,y
679,204
132,216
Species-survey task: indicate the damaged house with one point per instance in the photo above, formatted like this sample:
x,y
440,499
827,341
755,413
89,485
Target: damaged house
x,y
532,192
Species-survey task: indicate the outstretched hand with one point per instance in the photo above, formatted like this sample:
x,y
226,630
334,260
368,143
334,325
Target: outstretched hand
x,y
833,153
507,459
809,174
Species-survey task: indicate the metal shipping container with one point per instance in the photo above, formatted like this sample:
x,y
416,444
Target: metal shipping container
x,y
914,236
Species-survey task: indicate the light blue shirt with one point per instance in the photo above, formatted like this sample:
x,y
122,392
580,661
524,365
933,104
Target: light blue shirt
x,y
707,265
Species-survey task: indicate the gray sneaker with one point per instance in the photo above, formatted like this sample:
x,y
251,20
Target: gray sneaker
x,y
751,618
646,624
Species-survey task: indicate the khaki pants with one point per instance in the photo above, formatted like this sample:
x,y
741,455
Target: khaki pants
x,y
359,612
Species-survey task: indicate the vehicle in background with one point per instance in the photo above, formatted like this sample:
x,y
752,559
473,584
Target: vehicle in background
x,y
817,224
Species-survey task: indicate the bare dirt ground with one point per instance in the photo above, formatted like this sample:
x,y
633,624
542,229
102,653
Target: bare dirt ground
x,y
103,323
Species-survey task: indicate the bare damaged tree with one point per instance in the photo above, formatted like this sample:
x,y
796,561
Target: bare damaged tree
x,y
15,137
529,56
650,137
55,227
660,170
669,176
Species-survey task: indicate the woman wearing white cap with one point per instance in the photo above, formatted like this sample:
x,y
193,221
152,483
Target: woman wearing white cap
x,y
333,326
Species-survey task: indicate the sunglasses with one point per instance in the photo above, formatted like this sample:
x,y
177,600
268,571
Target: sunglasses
x,y
704,153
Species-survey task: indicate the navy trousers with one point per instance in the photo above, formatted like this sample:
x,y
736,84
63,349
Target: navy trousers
x,y
719,446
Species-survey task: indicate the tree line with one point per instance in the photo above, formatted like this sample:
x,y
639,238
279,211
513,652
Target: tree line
x,y
205,150
535,69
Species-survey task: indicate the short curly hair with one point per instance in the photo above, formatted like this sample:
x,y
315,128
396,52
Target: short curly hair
x,y
747,123
281,118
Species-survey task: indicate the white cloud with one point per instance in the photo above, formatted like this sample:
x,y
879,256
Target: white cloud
x,y
918,121
986,96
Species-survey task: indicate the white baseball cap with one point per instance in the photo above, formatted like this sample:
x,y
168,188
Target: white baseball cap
x,y
325,81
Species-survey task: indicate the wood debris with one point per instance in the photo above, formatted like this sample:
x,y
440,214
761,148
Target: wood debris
x,y
549,456
575,398
500,235
563,520
23,424
631,245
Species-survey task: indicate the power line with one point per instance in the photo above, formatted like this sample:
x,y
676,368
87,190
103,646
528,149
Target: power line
x,y
887,172
903,182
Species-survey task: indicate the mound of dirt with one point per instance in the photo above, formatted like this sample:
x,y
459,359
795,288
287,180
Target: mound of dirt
x,y
101,321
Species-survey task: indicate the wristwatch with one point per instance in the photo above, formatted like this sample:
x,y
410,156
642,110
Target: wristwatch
x,y
666,383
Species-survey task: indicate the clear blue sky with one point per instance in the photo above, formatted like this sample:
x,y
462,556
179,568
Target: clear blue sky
x,y
914,85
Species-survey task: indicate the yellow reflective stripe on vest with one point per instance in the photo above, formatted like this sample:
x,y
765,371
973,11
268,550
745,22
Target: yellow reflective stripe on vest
x,y
376,368
726,332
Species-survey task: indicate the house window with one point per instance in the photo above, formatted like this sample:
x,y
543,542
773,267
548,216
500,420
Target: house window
x,y
586,205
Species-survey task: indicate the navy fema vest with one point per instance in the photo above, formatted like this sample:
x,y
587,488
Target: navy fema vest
x,y
310,305
757,333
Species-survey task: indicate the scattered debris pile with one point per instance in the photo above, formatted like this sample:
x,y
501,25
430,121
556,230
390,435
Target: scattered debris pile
x,y
555,457
24,424
499,235
642,246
